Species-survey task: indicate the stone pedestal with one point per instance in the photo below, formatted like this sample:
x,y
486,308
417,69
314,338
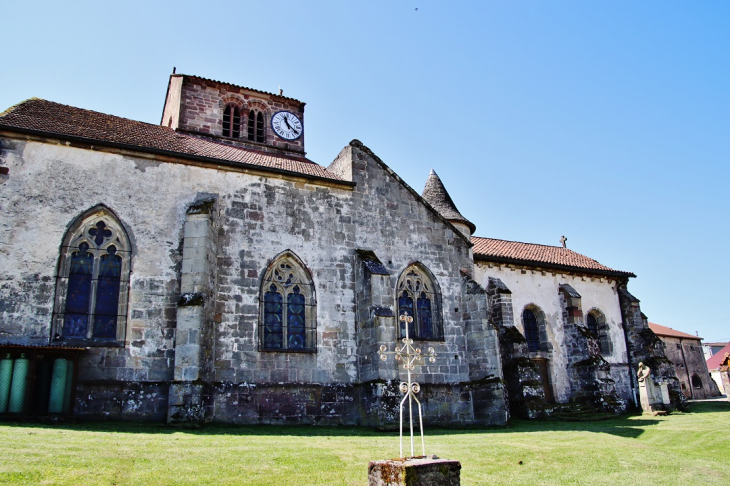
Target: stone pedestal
x,y
414,471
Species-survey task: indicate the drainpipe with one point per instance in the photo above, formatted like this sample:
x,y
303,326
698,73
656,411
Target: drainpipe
x,y
686,370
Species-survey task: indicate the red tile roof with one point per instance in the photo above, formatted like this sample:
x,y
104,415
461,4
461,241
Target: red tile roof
x,y
660,330
717,359
39,115
503,251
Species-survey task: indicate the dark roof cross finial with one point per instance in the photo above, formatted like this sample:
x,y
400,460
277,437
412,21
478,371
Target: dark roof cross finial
x,y
563,239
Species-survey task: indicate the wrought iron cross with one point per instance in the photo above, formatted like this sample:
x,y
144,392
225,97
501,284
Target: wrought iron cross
x,y
409,355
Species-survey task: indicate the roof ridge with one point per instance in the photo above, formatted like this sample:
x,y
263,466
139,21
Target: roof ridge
x,y
34,98
526,243
235,86
90,126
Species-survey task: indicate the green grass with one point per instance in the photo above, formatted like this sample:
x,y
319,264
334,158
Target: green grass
x,y
682,448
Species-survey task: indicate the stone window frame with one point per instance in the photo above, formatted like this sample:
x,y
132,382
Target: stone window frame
x,y
233,102
423,281
544,345
286,272
602,333
77,234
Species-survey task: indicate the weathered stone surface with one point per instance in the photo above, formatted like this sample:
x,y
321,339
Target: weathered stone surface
x,y
416,471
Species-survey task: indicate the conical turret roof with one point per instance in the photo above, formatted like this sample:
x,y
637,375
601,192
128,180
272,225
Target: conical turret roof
x,y
437,196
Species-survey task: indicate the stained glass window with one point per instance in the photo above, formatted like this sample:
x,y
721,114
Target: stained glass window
x,y
425,323
92,284
295,319
272,319
78,297
107,294
416,286
532,334
288,321
405,306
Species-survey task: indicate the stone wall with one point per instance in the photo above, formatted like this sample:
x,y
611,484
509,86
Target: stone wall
x,y
206,349
689,361
645,347
565,345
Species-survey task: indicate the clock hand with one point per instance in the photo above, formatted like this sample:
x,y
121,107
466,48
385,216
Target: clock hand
x,y
287,123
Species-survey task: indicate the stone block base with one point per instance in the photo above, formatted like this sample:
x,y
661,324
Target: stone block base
x,y
414,471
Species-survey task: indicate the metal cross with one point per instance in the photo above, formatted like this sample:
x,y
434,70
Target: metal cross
x,y
409,355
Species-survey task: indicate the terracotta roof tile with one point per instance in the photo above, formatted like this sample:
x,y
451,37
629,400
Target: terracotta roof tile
x,y
660,330
504,251
54,118
717,359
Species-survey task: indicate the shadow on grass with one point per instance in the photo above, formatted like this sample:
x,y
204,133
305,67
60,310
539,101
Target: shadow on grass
x,y
705,406
625,426
630,426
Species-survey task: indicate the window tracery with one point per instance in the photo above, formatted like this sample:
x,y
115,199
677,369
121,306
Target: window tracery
x,y
92,282
288,307
416,286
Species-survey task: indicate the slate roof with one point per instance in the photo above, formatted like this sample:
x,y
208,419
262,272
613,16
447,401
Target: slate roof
x,y
436,195
660,330
531,254
717,359
49,118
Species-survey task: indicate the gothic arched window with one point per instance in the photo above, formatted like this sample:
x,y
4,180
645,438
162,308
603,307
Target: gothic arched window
x,y
256,126
288,319
596,323
232,122
93,281
418,297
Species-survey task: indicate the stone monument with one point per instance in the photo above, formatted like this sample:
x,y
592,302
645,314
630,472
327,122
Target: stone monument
x,y
653,398
420,470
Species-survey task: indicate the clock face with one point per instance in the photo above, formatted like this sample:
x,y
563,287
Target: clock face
x,y
286,125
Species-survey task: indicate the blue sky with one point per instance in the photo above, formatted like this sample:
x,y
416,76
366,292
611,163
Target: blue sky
x,y
608,122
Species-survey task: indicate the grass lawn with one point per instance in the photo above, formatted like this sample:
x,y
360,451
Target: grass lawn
x,y
682,448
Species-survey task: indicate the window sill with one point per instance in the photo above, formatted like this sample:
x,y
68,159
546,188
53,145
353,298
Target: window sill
x,y
296,351
89,343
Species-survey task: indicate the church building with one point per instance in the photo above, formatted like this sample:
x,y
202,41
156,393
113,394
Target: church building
x,y
205,270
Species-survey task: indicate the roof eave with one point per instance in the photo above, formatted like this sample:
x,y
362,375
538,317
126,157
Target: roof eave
x,y
553,266
169,153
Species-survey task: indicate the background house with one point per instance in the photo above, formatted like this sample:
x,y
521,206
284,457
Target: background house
x,y
685,351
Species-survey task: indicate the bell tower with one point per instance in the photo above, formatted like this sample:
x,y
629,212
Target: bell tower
x,y
234,115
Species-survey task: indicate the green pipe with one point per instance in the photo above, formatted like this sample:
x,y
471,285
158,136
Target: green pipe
x,y
58,386
17,388
6,377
